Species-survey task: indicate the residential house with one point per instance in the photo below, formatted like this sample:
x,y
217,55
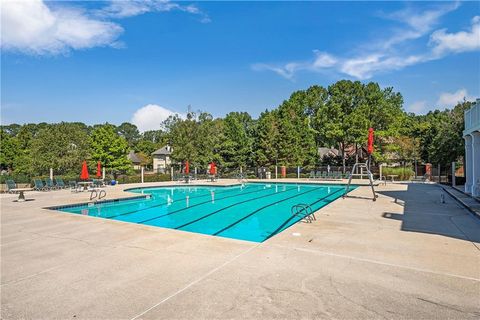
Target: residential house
x,y
161,159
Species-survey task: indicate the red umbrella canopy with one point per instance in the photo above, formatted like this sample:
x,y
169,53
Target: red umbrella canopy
x,y
84,174
370,141
99,169
187,167
212,168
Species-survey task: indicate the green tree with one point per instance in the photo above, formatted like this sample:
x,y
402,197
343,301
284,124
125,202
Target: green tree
x,y
236,148
8,150
61,146
182,135
129,132
110,149
266,139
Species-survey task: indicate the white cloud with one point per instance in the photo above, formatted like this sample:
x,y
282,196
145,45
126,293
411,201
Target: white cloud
x,y
38,27
321,61
151,116
449,100
130,8
387,54
34,28
457,42
418,107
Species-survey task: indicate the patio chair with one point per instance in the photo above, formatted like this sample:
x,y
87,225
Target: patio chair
x,y
74,186
318,175
60,183
11,186
312,175
39,186
49,184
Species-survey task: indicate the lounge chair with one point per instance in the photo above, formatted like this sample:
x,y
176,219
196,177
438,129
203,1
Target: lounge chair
x,y
97,183
49,184
39,186
60,184
312,175
318,175
11,186
74,186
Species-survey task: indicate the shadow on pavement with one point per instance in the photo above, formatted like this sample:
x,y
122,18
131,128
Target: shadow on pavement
x,y
423,211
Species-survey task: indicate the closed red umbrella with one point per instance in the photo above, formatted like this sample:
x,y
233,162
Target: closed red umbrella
x,y
212,168
99,169
370,141
187,167
84,173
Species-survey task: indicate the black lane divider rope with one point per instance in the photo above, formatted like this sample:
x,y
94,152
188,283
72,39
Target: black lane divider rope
x,y
260,209
294,216
232,205
198,204
164,203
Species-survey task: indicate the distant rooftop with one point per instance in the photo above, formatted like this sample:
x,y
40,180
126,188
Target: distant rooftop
x,y
166,150
132,156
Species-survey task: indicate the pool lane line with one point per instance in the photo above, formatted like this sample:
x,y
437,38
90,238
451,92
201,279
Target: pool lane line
x,y
230,206
260,209
293,216
164,203
198,204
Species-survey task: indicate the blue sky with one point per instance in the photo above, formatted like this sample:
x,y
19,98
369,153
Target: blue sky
x,y
141,60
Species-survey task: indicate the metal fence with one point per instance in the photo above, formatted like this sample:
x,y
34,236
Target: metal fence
x,y
438,173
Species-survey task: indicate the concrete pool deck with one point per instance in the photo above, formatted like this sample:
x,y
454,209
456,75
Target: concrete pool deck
x,y
406,255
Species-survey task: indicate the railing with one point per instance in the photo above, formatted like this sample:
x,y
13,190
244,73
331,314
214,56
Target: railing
x,y
472,116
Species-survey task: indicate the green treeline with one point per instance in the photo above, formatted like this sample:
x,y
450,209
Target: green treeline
x,y
338,116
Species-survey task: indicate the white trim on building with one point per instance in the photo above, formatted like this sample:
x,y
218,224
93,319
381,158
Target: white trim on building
x,y
471,134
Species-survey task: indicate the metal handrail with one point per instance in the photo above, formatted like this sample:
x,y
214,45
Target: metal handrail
x,y
370,178
300,208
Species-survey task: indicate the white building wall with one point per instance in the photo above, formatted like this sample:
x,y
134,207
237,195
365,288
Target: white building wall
x,y
471,134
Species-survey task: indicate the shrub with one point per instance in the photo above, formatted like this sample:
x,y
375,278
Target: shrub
x,y
403,173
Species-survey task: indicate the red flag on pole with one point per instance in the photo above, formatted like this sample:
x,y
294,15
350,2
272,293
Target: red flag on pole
x,y
84,173
99,169
187,167
212,168
370,141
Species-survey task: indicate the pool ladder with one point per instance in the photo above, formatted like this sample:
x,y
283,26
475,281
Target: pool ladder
x,y
97,194
303,211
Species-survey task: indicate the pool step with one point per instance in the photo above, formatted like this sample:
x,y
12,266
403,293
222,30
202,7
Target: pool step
x,y
304,211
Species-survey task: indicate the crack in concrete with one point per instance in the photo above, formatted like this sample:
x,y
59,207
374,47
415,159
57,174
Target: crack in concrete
x,y
447,306
333,284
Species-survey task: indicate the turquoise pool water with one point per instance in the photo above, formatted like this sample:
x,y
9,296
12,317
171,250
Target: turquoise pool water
x,y
253,211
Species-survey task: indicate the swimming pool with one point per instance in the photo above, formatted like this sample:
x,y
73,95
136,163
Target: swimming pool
x,y
252,212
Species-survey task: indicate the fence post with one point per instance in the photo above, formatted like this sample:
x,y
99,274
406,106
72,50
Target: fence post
x,y
103,173
453,174
439,174
415,169
276,172
51,173
361,173
171,173
380,169
195,171
141,170
298,172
